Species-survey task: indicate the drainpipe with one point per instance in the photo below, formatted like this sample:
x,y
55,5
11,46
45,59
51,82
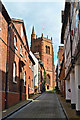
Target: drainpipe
x,y
6,85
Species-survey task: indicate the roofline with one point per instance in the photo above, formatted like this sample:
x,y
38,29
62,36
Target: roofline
x,y
4,12
66,15
21,21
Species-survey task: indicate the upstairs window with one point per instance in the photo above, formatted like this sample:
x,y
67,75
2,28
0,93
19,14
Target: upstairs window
x,y
21,50
25,57
29,64
21,32
15,42
77,18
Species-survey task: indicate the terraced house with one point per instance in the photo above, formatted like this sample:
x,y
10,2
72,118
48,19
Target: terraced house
x,y
70,36
16,72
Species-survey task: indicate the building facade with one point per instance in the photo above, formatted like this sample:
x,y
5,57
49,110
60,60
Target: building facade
x,y
70,36
60,58
62,78
15,69
45,48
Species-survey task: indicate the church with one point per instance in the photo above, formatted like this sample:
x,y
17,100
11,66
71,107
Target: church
x,y
44,47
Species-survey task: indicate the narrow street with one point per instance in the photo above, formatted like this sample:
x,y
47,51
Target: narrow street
x,y
46,106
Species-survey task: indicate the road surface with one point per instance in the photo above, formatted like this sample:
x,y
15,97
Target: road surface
x,y
45,106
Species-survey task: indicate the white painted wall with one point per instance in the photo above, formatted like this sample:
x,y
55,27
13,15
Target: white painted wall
x,y
77,83
73,92
35,69
68,94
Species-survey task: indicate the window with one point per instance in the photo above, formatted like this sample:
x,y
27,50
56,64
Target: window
x,y
29,64
32,68
15,42
25,57
14,72
21,50
25,78
76,18
21,32
48,50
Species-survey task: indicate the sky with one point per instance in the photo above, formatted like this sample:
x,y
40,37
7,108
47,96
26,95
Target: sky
x,y
44,15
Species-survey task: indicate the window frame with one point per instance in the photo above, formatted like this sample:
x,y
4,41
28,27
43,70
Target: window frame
x,y
25,78
30,64
14,73
21,52
15,42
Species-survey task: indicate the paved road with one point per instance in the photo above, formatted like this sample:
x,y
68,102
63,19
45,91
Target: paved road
x,y
46,106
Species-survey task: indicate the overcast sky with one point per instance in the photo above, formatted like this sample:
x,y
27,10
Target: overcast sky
x,y
41,15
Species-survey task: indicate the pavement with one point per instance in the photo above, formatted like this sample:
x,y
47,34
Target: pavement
x,y
45,106
16,107
71,113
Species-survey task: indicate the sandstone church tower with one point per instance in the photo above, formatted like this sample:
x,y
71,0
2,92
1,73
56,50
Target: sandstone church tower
x,y
44,46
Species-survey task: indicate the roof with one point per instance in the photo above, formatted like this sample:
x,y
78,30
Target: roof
x,y
5,13
30,57
21,21
66,15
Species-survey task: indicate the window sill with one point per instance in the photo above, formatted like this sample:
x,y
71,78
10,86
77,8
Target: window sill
x,y
21,55
25,60
15,47
15,82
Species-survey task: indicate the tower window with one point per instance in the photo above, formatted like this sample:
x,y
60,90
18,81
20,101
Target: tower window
x,y
47,49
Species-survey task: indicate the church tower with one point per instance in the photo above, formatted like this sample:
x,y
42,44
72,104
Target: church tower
x,y
32,37
43,46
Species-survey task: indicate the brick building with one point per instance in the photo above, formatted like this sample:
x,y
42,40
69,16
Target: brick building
x,y
62,78
30,76
45,48
15,61
4,24
60,58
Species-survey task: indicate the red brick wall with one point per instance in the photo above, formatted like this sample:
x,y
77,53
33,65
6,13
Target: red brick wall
x,y
13,89
62,76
